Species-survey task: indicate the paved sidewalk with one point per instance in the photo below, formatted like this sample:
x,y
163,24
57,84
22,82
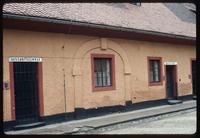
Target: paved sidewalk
x,y
106,120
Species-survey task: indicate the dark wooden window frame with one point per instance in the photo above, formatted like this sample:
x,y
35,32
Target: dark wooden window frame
x,y
40,90
103,88
160,70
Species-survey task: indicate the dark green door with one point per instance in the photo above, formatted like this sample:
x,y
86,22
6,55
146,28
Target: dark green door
x,y
194,77
169,77
26,92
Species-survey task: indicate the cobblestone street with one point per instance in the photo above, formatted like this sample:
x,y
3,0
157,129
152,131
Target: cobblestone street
x,y
179,124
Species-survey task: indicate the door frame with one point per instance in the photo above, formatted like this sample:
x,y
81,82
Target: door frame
x,y
192,59
40,90
175,82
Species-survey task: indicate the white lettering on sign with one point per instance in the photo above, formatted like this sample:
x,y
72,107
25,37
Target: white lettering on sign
x,y
25,59
170,63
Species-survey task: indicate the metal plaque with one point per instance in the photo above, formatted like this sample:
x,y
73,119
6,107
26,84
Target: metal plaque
x,y
170,63
25,59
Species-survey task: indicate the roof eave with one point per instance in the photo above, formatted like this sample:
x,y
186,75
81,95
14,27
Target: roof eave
x,y
73,24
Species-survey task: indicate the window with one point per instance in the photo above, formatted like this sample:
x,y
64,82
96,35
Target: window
x,y
103,72
155,70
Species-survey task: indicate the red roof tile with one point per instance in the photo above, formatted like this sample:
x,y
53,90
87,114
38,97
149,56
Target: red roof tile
x,y
148,16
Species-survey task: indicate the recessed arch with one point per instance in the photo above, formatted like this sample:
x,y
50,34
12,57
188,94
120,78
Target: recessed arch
x,y
102,43
96,43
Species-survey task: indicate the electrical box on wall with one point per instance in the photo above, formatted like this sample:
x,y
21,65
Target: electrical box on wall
x,y
6,85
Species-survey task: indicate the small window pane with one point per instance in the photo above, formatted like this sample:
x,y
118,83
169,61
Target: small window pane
x,y
156,71
151,76
96,79
104,72
151,72
104,78
108,72
100,79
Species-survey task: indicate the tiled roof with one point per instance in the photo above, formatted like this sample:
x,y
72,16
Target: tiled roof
x,y
149,16
185,12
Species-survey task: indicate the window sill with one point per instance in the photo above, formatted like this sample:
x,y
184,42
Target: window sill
x,y
106,88
155,83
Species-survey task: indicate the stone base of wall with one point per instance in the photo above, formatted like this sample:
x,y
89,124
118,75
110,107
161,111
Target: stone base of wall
x,y
81,113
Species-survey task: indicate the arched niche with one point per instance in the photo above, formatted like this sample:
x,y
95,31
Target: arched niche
x,y
103,44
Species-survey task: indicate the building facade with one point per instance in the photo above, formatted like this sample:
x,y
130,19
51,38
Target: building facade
x,y
50,73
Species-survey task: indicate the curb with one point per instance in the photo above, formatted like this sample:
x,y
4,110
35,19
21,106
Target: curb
x,y
135,119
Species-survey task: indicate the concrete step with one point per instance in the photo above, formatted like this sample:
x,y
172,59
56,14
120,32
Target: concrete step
x,y
31,125
194,97
174,101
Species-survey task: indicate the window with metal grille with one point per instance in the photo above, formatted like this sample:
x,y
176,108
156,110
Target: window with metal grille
x,y
155,70
103,72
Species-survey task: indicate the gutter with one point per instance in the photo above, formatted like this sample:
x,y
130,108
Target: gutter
x,y
93,25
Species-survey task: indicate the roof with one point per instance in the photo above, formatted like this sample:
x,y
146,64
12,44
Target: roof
x,y
185,12
156,17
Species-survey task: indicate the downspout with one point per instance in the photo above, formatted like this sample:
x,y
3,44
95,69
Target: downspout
x,y
63,48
